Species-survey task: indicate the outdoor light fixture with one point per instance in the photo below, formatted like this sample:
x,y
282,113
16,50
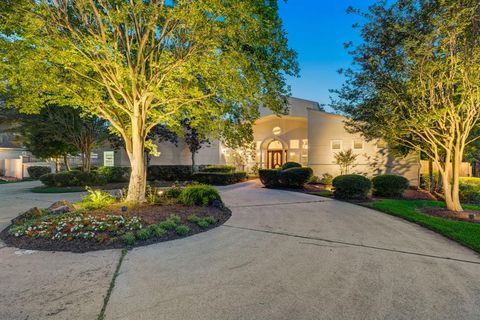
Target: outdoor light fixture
x,y
276,131
124,209
471,216
159,192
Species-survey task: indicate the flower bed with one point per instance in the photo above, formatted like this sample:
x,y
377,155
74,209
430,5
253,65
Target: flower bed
x,y
89,225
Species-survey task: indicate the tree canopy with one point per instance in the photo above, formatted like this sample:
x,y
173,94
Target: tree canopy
x,y
415,81
138,64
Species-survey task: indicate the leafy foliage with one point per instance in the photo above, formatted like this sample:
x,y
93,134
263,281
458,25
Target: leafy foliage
x,y
219,178
115,174
389,185
199,194
140,63
96,199
218,168
72,179
288,165
346,160
351,187
35,172
295,177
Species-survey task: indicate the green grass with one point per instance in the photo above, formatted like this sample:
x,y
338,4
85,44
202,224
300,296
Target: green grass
x,y
466,233
44,189
327,194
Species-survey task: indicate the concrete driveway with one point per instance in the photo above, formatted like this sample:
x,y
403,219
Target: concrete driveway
x,y
287,255
282,255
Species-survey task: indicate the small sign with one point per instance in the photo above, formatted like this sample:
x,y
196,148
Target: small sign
x,y
109,158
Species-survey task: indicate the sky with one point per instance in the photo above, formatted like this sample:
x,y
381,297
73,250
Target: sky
x,y
317,30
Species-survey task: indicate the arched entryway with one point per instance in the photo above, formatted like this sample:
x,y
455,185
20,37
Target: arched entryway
x,y
276,154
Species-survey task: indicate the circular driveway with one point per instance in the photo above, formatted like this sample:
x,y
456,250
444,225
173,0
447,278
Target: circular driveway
x,y
286,255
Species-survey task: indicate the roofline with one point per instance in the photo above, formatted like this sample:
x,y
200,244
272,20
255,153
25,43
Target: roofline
x,y
329,114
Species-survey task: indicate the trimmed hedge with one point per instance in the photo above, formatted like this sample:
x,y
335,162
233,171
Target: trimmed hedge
x,y
470,189
115,174
389,185
295,177
35,172
199,194
269,177
169,173
219,178
288,165
218,168
351,187
73,179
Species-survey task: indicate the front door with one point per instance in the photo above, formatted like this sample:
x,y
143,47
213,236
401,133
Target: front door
x,y
275,159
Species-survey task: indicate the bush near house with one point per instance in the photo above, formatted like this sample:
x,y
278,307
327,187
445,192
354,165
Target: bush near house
x,y
219,178
115,174
470,189
295,177
389,185
218,168
288,165
169,173
351,187
199,194
35,172
269,177
73,179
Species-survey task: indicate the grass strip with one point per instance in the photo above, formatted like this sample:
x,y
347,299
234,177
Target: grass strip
x,y
465,233
44,189
101,316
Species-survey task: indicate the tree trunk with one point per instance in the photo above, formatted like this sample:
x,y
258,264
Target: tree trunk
x,y
431,178
138,179
87,163
193,162
451,188
57,165
65,160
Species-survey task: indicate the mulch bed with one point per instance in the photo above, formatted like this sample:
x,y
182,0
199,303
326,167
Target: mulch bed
x,y
447,214
150,213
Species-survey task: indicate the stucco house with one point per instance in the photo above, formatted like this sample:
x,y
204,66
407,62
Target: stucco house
x,y
307,135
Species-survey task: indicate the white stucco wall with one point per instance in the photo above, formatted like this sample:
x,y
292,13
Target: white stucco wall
x,y
326,128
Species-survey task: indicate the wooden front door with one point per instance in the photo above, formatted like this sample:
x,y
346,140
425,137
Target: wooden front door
x,y
275,159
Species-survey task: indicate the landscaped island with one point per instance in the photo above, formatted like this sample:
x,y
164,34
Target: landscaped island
x,y
103,221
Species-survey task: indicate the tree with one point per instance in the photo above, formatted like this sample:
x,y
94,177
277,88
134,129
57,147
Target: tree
x,y
415,79
140,63
194,139
346,160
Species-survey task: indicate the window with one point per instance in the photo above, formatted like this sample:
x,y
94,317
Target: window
x,y
294,144
357,144
336,145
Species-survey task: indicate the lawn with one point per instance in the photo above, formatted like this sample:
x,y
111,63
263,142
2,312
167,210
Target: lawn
x,y
45,189
465,233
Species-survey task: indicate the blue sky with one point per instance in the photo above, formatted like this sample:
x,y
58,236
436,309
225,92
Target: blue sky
x,y
317,30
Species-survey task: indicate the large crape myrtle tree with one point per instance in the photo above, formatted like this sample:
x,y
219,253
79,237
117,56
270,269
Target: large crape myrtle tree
x,y
138,63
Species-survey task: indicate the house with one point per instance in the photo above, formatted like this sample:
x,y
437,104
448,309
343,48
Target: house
x,y
307,135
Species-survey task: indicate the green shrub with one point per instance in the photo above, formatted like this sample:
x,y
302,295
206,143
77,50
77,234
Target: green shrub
x,y
157,231
169,173
96,199
389,185
210,219
351,186
202,223
182,230
175,218
469,193
314,180
73,179
48,179
167,224
219,178
129,238
199,194
470,180
172,192
269,177
295,177
115,174
327,179
193,218
218,168
143,234
289,165
35,172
